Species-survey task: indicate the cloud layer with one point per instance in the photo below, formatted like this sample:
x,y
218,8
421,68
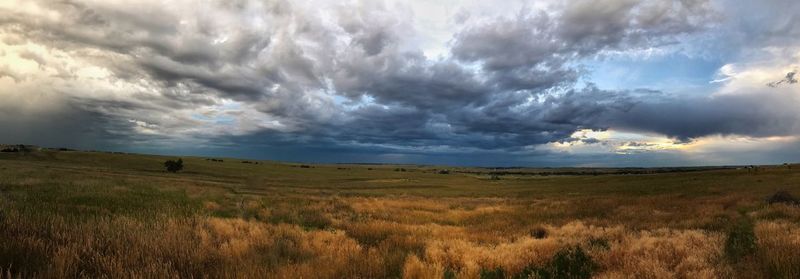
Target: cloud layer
x,y
376,78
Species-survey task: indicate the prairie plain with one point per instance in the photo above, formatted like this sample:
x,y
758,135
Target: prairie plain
x,y
102,215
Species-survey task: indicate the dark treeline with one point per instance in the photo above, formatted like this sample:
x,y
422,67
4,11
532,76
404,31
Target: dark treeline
x,y
593,171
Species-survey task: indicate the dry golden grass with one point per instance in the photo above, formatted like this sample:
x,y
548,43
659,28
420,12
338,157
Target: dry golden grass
x,y
121,223
385,245
779,248
197,247
645,254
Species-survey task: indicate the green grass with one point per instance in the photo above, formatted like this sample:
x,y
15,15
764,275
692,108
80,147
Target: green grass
x,y
270,177
90,184
741,241
96,183
74,189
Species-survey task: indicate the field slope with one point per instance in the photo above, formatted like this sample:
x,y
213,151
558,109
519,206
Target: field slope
x,y
94,214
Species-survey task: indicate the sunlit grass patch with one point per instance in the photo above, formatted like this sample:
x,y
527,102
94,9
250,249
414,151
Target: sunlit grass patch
x,y
779,248
117,216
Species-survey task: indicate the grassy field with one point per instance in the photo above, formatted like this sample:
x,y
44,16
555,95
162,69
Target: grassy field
x,y
94,215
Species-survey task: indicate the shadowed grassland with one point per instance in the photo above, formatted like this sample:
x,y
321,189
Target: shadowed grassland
x,y
91,214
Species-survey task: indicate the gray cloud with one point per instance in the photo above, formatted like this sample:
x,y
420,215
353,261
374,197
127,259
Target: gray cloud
x,y
757,115
789,79
536,50
63,125
6,72
350,78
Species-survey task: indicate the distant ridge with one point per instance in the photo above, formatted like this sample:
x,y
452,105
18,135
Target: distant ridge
x,y
19,148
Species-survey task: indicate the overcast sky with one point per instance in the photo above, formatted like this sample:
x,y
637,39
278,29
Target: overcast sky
x,y
490,83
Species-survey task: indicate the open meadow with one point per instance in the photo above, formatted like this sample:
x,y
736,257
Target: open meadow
x,y
94,215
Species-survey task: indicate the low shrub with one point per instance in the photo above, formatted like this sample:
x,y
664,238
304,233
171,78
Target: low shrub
x,y
174,166
496,273
572,263
538,232
449,274
782,197
569,263
741,241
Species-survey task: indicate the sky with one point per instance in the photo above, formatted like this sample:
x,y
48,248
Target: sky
x,y
601,83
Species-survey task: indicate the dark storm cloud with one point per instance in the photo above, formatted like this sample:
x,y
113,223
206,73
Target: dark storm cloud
x,y
410,80
521,59
69,125
756,115
347,78
506,123
537,50
588,25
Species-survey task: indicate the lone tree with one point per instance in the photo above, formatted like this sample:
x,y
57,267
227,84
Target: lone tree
x,y
174,166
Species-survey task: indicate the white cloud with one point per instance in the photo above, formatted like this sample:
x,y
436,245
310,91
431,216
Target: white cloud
x,y
441,76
